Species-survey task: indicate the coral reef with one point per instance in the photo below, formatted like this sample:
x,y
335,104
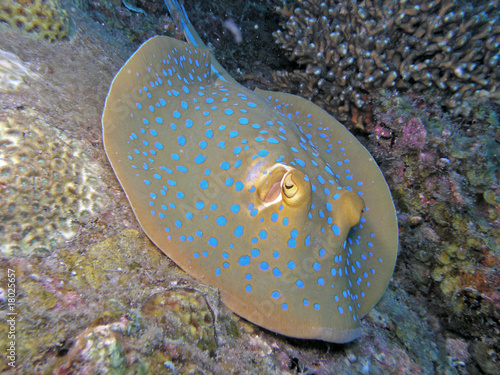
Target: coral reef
x,y
13,73
47,181
347,50
86,304
45,19
445,179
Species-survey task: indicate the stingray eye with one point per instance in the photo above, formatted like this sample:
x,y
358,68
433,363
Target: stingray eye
x,y
295,189
289,187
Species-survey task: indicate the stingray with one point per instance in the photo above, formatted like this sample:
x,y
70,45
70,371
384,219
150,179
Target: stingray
x,y
260,194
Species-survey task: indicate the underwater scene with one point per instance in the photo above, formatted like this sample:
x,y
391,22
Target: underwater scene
x,y
249,187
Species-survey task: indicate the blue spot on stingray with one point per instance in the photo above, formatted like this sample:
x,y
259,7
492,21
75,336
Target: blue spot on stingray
x,y
251,105
299,283
275,294
203,145
180,195
235,208
159,145
233,134
264,266
238,232
237,150
181,140
238,186
228,112
176,114
272,140
229,181
292,243
255,253
209,133
340,310
274,216
263,234
178,223
316,266
153,132
225,165
336,229
307,241
221,221
294,233
276,272
243,121
316,306
147,182
203,184
263,153
248,288
244,261
300,162
291,265
199,159
189,123
212,241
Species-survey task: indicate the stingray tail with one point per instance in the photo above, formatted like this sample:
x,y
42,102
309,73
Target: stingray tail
x,y
177,10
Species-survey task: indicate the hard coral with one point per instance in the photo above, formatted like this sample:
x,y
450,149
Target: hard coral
x,y
349,49
46,19
46,182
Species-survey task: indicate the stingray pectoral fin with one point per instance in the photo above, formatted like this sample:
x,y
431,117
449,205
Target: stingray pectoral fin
x,y
267,314
374,241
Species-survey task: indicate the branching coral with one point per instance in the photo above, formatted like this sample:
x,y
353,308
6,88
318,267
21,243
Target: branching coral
x,y
349,49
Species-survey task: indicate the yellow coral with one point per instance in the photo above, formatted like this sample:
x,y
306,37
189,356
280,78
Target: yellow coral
x,y
43,18
47,185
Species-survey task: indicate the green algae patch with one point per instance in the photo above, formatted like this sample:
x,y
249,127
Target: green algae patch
x,y
115,257
184,314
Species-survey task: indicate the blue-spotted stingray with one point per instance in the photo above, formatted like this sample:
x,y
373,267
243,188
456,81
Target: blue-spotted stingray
x,y
260,194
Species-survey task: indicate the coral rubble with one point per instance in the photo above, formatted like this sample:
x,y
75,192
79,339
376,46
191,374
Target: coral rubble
x,y
347,49
46,181
46,19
